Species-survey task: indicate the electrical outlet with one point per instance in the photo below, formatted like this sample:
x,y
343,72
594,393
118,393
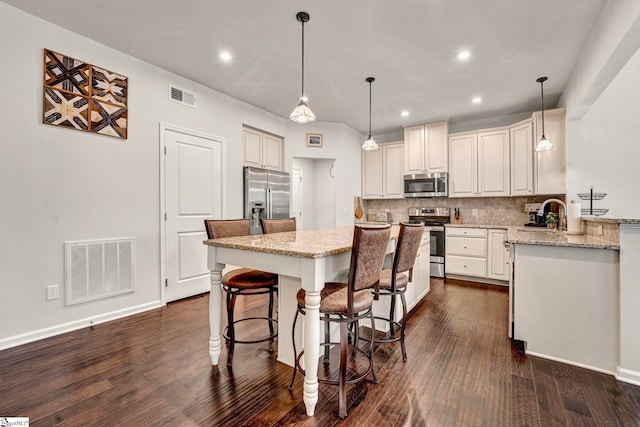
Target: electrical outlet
x,y
474,212
53,292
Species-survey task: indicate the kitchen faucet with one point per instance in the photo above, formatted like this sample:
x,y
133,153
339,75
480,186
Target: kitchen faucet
x,y
561,222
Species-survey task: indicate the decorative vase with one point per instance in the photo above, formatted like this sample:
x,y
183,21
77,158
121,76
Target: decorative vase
x,y
552,226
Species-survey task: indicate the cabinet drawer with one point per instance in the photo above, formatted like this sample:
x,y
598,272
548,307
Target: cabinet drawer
x,y
466,246
466,232
467,266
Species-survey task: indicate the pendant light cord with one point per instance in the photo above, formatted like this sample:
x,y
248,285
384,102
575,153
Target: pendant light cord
x,y
370,109
542,104
302,96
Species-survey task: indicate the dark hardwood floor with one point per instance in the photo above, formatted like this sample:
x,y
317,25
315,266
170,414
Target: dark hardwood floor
x,y
154,369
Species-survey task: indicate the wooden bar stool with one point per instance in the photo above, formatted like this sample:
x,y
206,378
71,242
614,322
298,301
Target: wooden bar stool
x,y
346,303
242,281
277,225
393,282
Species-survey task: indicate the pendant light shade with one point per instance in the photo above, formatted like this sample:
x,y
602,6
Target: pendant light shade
x,y
544,144
302,113
369,143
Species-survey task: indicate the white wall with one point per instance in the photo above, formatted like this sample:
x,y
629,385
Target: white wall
x,y
602,112
58,185
341,143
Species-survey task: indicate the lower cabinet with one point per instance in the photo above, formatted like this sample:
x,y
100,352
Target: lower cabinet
x,y
477,253
498,261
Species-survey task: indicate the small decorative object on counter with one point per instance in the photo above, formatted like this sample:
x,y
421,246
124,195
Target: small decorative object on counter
x,y
591,196
552,220
359,212
457,218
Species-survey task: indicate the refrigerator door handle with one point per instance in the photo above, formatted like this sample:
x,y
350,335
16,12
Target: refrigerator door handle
x,y
269,204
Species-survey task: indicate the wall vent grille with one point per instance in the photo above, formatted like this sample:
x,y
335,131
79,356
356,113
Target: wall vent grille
x,y
98,269
182,96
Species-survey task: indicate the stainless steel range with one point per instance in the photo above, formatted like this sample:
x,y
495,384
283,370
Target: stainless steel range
x,y
434,218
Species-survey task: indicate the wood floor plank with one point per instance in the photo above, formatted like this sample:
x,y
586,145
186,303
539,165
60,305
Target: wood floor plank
x,y
154,369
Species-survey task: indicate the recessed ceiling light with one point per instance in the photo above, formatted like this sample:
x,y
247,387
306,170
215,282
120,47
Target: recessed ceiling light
x,y
463,55
476,100
225,56
405,113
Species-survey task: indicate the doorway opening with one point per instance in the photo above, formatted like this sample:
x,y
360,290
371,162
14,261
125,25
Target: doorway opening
x,y
313,193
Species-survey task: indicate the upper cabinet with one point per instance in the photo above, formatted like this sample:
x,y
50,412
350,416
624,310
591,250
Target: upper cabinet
x,y
521,142
426,148
262,150
382,176
479,164
550,166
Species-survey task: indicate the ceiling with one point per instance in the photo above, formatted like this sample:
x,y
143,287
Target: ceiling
x,y
409,46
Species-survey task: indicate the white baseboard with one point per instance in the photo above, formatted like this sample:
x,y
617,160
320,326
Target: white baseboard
x,y
569,362
39,334
628,376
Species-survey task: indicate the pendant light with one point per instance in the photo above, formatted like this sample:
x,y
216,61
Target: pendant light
x,y
544,144
302,113
370,144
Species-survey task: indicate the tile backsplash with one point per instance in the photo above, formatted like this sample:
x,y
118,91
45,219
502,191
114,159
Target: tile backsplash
x,y
480,210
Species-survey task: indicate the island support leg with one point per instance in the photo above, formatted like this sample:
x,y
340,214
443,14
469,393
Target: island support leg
x,y
215,313
311,350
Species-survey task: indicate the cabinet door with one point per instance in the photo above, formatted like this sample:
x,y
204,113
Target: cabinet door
x,y
521,143
498,260
493,163
272,152
252,141
437,147
422,272
550,170
392,171
463,154
414,150
372,174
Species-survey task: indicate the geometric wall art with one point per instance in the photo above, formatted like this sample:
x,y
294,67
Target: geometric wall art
x,y
81,96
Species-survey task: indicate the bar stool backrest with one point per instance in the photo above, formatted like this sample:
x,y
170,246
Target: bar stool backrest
x,y
219,228
407,248
277,225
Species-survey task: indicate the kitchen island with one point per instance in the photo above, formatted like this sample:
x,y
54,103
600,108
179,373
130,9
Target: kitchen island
x,y
301,259
565,297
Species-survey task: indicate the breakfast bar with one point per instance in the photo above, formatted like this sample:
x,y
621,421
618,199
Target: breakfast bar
x,y
301,259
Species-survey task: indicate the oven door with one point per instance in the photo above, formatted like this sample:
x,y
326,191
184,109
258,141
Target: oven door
x,y
437,244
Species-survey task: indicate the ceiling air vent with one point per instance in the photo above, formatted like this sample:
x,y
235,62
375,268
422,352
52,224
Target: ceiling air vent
x,y
182,96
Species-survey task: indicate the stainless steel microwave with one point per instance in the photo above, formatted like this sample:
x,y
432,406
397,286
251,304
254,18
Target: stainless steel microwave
x,y
427,185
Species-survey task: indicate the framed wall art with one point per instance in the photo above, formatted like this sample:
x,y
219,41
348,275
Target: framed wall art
x,y
314,140
85,97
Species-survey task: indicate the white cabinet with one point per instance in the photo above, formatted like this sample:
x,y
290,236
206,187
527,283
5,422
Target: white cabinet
x,y
521,143
463,164
426,148
493,163
382,176
414,150
262,150
479,164
466,251
498,261
550,166
422,270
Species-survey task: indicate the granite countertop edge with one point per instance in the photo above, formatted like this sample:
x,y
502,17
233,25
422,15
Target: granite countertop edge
x,y
543,237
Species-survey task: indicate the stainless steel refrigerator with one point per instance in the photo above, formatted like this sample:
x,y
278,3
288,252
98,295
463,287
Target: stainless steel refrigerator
x,y
266,195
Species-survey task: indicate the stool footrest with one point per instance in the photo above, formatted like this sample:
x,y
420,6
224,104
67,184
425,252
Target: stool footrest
x,y
271,336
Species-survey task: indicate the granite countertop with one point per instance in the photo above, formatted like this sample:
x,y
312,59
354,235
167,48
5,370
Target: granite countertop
x,y
493,227
544,237
305,243
611,220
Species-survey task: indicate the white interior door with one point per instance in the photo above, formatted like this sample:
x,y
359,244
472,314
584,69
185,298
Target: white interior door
x,y
297,185
193,193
